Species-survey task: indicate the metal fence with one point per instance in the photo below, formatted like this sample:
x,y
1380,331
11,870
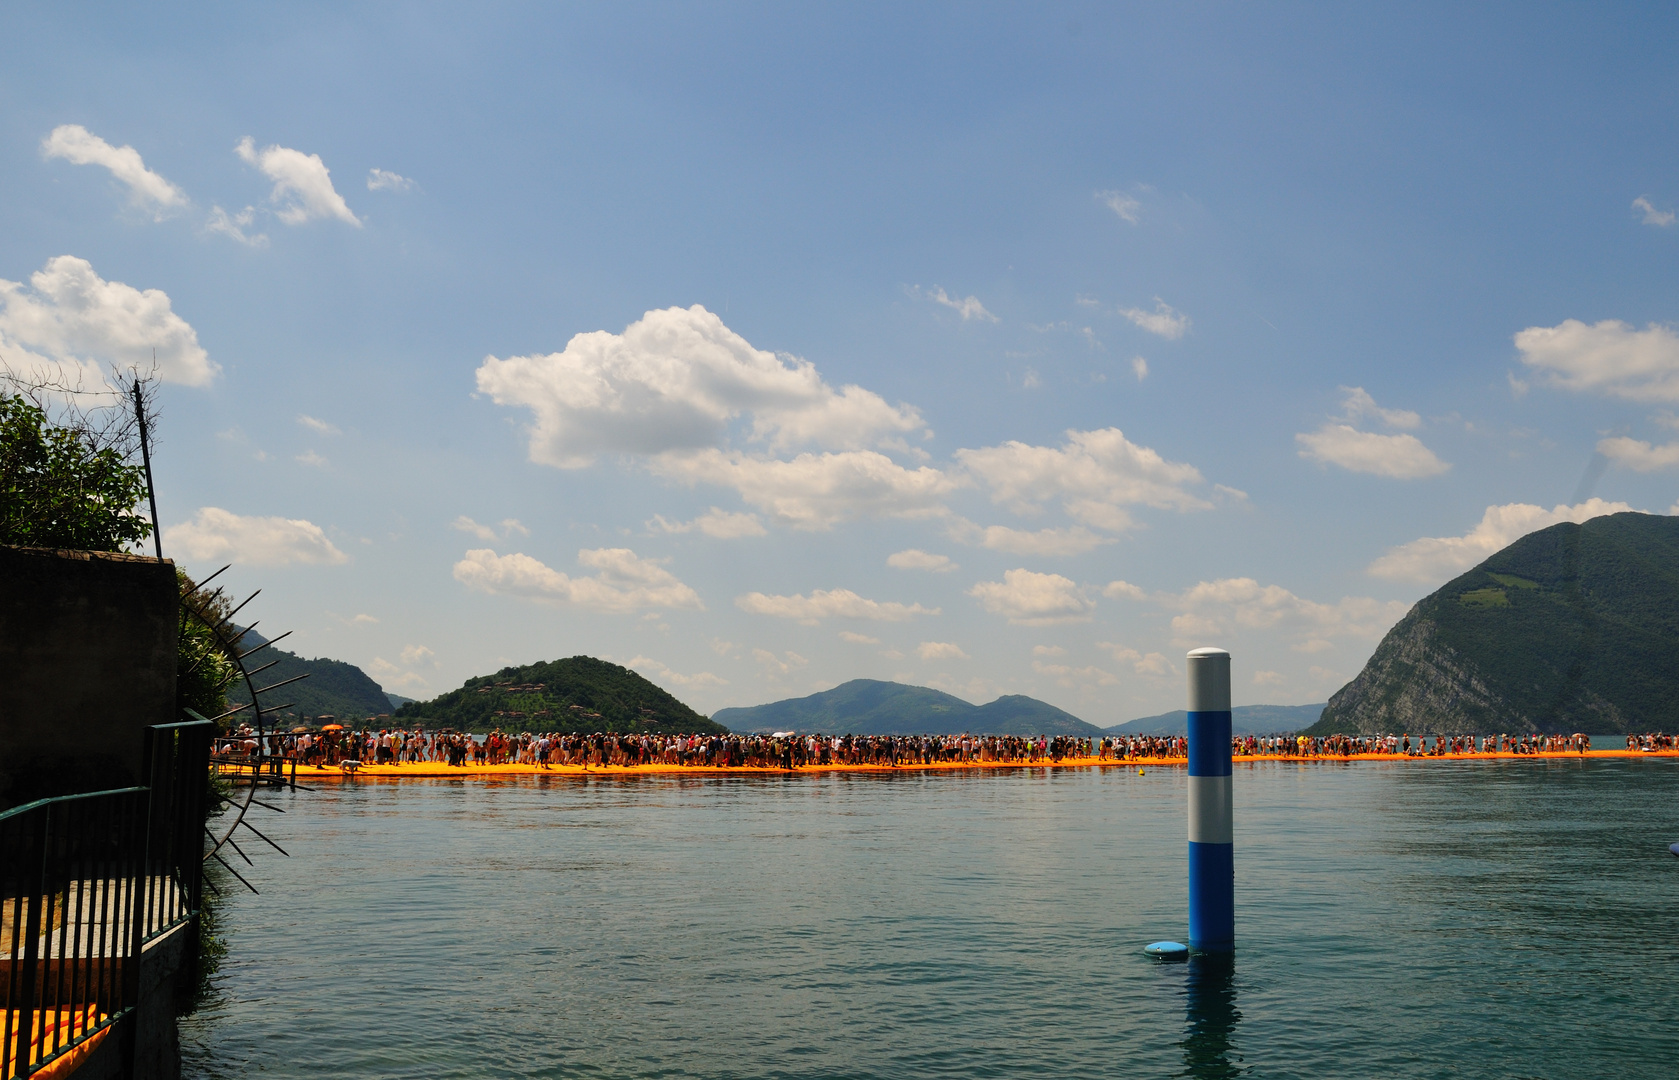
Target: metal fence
x,y
85,882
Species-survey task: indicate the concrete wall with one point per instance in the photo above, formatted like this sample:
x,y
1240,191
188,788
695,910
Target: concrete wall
x,y
87,663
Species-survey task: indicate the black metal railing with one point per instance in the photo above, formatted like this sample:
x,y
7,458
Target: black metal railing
x,y
85,882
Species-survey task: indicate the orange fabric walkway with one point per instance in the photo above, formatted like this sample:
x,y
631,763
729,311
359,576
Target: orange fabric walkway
x,y
52,1027
418,770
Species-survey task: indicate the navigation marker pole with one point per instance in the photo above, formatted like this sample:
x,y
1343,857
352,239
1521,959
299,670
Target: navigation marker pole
x,y
1212,867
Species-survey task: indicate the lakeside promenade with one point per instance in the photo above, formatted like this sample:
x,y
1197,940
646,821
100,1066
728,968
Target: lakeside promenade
x,y
425,770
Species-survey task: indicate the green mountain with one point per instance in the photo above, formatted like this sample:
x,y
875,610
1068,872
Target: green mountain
x,y
581,694
1244,720
872,707
333,687
1572,628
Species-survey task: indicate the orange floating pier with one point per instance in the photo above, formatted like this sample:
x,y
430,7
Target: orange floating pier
x,y
430,770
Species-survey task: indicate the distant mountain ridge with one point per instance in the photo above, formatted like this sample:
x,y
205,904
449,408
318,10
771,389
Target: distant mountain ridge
x,y
1571,628
578,694
333,688
874,707
1244,720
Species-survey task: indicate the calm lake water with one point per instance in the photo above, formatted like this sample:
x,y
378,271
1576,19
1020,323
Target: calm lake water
x,y
1497,919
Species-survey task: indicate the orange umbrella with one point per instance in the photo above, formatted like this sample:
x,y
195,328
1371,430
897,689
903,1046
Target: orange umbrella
x,y
332,727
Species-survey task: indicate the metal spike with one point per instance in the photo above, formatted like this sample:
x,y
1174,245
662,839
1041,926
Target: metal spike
x,y
282,682
236,846
271,843
234,872
265,644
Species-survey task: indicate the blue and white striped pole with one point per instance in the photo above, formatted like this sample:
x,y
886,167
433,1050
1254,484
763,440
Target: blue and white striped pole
x,y
1212,867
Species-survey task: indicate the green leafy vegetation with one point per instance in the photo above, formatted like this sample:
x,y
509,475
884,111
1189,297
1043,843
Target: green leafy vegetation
x,y
333,688
579,694
1572,628
872,707
62,486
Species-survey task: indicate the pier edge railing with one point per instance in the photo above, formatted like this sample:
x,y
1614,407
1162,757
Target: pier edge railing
x,y
85,882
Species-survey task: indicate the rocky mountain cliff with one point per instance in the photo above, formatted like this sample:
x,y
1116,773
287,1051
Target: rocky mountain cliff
x,y
1572,628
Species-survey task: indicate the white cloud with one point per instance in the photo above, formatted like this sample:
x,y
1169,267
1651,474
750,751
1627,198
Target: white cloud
x,y
916,559
829,604
624,582
1127,207
940,650
1638,455
384,180
717,523
234,225
1045,543
1069,676
1214,609
1609,357
148,190
775,665
662,672
1164,320
968,307
316,425
415,655
858,639
1433,559
1095,475
1123,590
1028,598
1139,367
312,459
1357,404
815,491
1268,678
71,319
674,380
1047,650
1402,457
509,526
392,677
303,188
216,534
1151,664
1659,218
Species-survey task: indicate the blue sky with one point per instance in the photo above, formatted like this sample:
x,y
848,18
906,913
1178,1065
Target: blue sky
x,y
1004,349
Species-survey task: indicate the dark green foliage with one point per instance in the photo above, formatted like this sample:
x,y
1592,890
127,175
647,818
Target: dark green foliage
x,y
60,488
201,664
580,694
1244,720
872,707
1572,628
333,687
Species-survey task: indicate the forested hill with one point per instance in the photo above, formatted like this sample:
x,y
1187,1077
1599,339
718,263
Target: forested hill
x,y
1244,720
333,688
872,707
581,694
1572,628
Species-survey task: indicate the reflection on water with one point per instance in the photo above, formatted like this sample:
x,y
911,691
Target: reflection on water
x,y
1210,1018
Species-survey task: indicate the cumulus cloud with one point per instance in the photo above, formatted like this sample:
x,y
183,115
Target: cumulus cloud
x,y
815,491
1123,590
916,559
1268,678
314,424
855,638
303,188
1610,357
217,534
1638,455
675,380
1432,559
778,665
234,226
147,190
940,650
416,655
70,319
1045,543
1659,218
968,307
1338,442
716,523
1069,676
1125,206
1164,320
1154,665
1214,609
1402,457
829,604
1028,598
662,672
623,582
384,180
1139,368
1095,474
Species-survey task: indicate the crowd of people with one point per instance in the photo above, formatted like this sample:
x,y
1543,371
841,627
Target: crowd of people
x,y
787,750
